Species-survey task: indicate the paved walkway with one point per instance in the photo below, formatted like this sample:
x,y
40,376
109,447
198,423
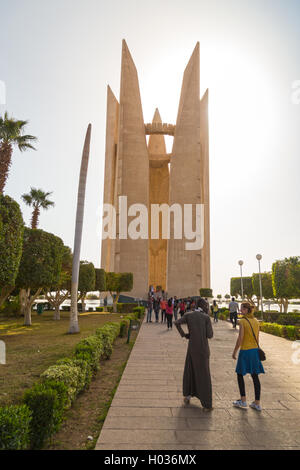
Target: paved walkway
x,y
148,413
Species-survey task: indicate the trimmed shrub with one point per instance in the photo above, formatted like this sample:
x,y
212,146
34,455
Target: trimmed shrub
x,y
110,309
90,349
46,402
69,375
139,311
108,334
289,319
126,308
285,331
15,427
124,325
115,327
292,333
86,373
99,309
206,293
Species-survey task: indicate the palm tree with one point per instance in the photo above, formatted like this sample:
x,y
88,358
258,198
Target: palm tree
x,y
74,325
38,200
11,134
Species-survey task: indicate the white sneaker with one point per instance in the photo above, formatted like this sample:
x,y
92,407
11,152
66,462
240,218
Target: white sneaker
x,y
255,407
240,404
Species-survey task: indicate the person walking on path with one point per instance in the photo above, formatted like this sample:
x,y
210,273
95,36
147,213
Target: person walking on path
x,y
233,310
182,308
215,311
175,305
163,306
248,360
156,307
149,310
196,378
169,314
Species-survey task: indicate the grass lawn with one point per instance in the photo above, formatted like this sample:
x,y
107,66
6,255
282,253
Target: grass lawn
x,y
31,350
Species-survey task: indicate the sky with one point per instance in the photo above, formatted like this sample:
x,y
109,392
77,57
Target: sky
x,y
57,58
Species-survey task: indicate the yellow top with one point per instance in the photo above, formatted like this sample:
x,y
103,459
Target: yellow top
x,y
248,340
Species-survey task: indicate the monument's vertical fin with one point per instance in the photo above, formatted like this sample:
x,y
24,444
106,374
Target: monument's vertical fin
x,y
185,267
108,246
159,194
132,173
204,139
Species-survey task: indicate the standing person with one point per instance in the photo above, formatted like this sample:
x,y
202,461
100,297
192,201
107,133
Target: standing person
x,y
196,378
156,307
248,360
163,306
175,304
215,311
181,308
233,310
169,314
188,304
149,310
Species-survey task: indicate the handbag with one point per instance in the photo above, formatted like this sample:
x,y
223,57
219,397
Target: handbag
x,y
261,353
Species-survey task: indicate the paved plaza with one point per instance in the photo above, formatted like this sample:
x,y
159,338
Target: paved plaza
x,y
148,411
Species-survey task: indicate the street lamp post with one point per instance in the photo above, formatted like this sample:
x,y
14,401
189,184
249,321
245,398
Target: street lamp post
x,y
242,287
259,257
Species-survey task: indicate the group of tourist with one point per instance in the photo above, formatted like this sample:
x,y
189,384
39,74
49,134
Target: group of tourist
x,y
168,309
197,379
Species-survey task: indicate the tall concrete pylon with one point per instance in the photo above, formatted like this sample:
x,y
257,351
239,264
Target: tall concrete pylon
x,y
147,175
112,121
185,181
132,172
159,194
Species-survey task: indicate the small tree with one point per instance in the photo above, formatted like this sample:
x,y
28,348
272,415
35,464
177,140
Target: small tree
x,y
219,297
267,286
58,293
117,283
206,293
227,297
286,280
236,288
40,266
11,242
87,280
100,281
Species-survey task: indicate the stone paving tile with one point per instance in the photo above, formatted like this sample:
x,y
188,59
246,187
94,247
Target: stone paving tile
x,y
197,412
272,438
148,412
154,423
147,447
144,412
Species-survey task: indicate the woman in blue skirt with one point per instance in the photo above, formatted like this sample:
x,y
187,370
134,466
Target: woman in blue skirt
x,y
248,360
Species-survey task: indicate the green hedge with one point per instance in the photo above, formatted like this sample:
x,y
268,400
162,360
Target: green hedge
x,y
99,309
279,318
15,427
285,331
107,335
90,349
46,402
126,308
139,311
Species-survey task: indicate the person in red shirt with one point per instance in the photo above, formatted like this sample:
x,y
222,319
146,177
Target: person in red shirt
x,y
169,314
182,308
163,306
